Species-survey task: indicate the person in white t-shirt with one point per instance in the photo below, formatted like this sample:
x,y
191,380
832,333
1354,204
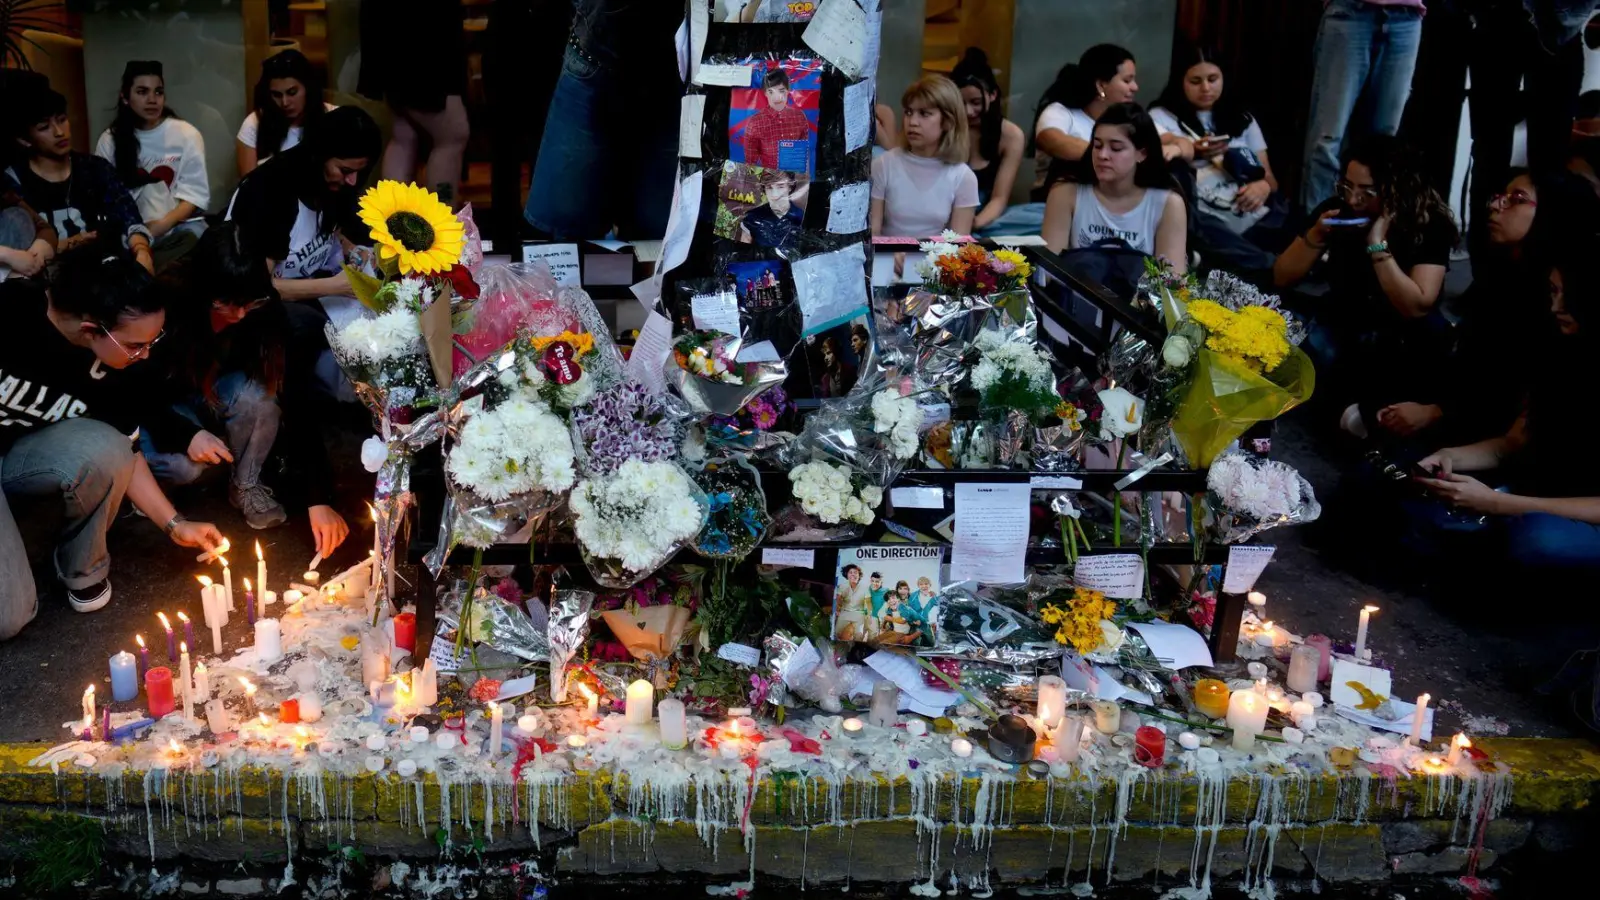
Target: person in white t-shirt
x,y
1239,213
924,186
160,158
1122,192
288,100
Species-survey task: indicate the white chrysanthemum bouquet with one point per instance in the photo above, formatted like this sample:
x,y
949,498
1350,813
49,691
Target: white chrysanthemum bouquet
x,y
1252,495
629,523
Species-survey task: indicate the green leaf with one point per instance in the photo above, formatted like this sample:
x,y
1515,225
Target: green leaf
x,y
366,289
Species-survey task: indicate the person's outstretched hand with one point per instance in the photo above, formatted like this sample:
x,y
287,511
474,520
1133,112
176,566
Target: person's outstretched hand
x,y
197,534
328,529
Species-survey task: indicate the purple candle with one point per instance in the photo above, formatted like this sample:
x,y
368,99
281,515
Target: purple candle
x,y
249,603
105,727
188,629
144,655
172,642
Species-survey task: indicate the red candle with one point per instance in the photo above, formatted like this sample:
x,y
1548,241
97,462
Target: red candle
x,y
1149,747
289,712
1324,646
405,631
158,689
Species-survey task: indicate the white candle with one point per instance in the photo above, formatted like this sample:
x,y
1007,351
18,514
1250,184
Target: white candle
x,y
374,655
527,725
269,645
291,599
425,684
961,747
1258,604
446,740
1303,662
1247,716
497,726
1417,719
674,726
1361,631
185,685
375,764
406,768
1107,716
88,707
884,708
310,706
641,699
577,741
217,717
227,583
419,734
1068,738
1304,715
261,577
202,685
591,700
1457,745
851,727
377,742
1052,700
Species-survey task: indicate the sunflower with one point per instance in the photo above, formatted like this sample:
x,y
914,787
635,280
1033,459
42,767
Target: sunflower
x,y
409,222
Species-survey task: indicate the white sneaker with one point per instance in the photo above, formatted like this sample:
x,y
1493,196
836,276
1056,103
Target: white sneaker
x,y
90,599
1352,422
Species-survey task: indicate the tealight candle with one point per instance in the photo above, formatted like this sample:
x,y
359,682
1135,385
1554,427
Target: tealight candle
x,y
406,768
1434,764
328,749
446,740
419,733
1258,604
1247,716
292,598
1052,700
577,741
852,727
916,727
961,747
1211,698
527,724
377,742
674,725
1303,714
1457,745
311,577
188,630
1107,716
1048,753
640,708
375,764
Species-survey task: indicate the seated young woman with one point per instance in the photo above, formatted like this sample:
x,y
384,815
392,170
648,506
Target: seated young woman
x,y
288,101
997,142
1063,123
1547,515
1122,192
233,375
1239,214
924,186
160,158
1386,237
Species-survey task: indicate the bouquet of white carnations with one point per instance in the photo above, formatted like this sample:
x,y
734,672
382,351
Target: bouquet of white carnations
x,y
631,521
1251,495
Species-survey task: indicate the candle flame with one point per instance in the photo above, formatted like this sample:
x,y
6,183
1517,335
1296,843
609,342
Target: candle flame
x,y
734,727
264,722
90,690
183,647
374,511
183,617
173,746
249,689
1463,741
1434,762
139,639
1423,700
302,732
205,580
1369,608
493,707
258,550
223,560
587,694
247,585
164,623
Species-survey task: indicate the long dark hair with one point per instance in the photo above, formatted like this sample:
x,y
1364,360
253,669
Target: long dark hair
x,y
125,126
220,269
100,282
974,71
1075,85
1228,116
346,133
1403,188
272,126
1152,172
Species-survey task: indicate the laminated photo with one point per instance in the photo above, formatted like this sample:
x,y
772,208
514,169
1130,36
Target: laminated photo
x,y
763,11
834,359
887,594
772,123
759,206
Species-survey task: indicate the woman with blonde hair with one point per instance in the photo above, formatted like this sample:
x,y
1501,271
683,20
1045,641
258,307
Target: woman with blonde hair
x,y
924,186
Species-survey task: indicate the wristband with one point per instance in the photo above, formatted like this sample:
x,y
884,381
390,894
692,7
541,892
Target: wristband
x,y
172,523
1379,247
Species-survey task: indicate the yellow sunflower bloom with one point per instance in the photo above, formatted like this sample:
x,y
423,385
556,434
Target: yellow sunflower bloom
x,y
411,223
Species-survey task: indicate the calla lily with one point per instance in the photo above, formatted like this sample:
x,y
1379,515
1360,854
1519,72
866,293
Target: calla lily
x,y
1111,637
1122,415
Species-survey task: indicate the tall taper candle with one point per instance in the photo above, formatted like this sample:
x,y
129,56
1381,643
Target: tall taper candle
x,y
1361,630
249,603
1417,719
227,582
144,655
188,629
172,645
496,728
185,684
261,573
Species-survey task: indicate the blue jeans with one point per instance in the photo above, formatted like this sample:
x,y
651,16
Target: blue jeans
x,y
1543,542
248,418
609,155
86,463
1364,57
1018,219
16,228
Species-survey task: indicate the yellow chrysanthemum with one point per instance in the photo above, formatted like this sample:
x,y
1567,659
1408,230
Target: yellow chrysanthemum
x,y
411,223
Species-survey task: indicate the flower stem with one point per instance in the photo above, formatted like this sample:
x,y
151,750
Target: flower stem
x,y
986,709
1116,499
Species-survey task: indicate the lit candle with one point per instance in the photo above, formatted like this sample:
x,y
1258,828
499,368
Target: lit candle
x,y
1068,738
1434,764
1247,716
158,690
1211,698
674,727
852,727
961,747
184,689
227,582
302,737
261,575
1457,745
249,693
1361,631
311,577
269,643
1304,715
527,725
640,708
144,654
1303,663
884,710
1417,719
188,629
124,676
310,706
88,707
1269,635
374,655
577,741
174,751
497,723
591,701
292,598
202,685
425,684
249,603
1052,700
172,645
1107,716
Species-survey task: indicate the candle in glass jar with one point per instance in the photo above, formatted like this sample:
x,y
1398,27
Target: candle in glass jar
x,y
851,727
1303,662
1052,700
674,725
1211,697
1247,716
496,728
1361,631
640,703
158,690
885,706
1417,719
1107,716
1324,645
1149,747
1068,738
1457,745
124,676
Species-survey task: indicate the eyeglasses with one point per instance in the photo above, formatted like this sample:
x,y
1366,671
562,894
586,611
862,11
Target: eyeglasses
x,y
134,351
1355,194
245,305
1515,198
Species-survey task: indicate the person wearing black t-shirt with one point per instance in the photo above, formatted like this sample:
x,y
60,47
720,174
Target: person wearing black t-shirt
x,y
72,404
79,195
1386,240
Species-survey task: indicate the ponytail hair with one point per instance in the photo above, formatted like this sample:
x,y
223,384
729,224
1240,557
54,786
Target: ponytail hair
x,y
125,125
974,71
1076,86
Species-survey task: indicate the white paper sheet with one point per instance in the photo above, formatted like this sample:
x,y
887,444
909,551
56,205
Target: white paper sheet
x,y
716,312
858,113
680,224
831,288
561,258
1402,723
1245,565
991,540
740,654
914,692
874,45
680,40
1177,646
699,17
647,251
839,34
1119,576
917,497
1055,483
649,357
513,688
789,556
725,75
759,352
1098,681
689,121
1340,693
847,207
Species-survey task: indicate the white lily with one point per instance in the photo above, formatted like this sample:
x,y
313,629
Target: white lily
x,y
1122,413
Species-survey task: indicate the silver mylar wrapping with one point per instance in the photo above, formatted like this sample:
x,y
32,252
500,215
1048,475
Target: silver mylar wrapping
x,y
984,630
843,431
932,334
1009,431
1235,528
1058,448
707,397
567,628
780,649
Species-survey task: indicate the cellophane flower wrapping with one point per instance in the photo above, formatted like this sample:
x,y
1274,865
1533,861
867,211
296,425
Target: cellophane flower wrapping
x,y
737,517
875,430
1251,495
1226,398
705,370
566,630
933,333
755,429
385,357
631,522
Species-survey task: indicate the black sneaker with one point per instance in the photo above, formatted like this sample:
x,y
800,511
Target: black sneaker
x,y
90,599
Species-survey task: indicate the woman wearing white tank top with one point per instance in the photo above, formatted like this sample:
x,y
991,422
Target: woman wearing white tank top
x,y
1121,193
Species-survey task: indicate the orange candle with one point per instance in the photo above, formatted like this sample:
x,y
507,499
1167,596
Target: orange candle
x,y
1211,697
289,711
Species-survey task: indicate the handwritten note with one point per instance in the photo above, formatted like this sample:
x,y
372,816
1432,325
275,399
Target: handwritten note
x,y
759,352
831,288
847,208
1117,575
443,654
689,122
917,497
789,556
858,113
991,537
650,351
680,223
699,18
740,654
726,76
561,258
716,312
1245,565
838,32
